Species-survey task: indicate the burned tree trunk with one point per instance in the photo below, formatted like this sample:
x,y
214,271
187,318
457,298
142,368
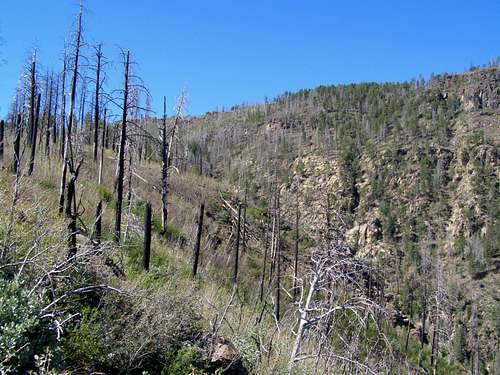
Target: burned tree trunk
x,y
34,133
121,155
196,255
98,224
16,163
237,247
54,127
164,170
2,130
277,304
49,119
71,210
147,235
264,263
67,140
101,162
296,257
166,152
62,137
32,101
96,101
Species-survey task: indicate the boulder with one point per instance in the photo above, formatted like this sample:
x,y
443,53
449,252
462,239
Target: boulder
x,y
225,356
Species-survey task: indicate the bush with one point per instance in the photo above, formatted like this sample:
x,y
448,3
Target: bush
x,y
104,194
22,333
82,345
184,361
140,329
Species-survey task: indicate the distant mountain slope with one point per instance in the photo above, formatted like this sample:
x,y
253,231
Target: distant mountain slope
x,y
412,169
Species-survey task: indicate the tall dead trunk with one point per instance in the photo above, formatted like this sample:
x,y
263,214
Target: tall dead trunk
x,y
49,118
424,316
476,360
245,202
121,155
237,247
264,260
96,101
166,158
164,170
68,148
407,340
62,137
54,125
33,143
147,235
98,224
277,304
32,101
101,162
2,131
16,162
71,210
296,255
81,129
196,255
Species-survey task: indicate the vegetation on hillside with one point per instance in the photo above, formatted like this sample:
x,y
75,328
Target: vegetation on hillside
x,y
341,229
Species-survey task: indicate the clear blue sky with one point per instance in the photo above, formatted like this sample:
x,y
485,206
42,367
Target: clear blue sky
x,y
228,52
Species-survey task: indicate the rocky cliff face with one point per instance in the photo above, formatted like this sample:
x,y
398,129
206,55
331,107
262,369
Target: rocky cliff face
x,y
437,191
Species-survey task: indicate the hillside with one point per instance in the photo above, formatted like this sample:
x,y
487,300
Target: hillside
x,y
411,169
369,210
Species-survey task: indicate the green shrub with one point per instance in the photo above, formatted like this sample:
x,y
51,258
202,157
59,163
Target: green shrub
x,y
82,345
184,361
104,194
175,234
47,184
22,333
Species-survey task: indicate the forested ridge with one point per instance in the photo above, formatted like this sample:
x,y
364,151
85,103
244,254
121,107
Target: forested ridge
x,y
336,230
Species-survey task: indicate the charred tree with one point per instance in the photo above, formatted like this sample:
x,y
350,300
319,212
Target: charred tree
x,y
54,125
121,154
71,210
277,304
62,137
2,131
34,133
164,170
16,162
296,255
196,255
68,151
96,100
49,118
147,235
103,144
31,126
98,224
237,247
